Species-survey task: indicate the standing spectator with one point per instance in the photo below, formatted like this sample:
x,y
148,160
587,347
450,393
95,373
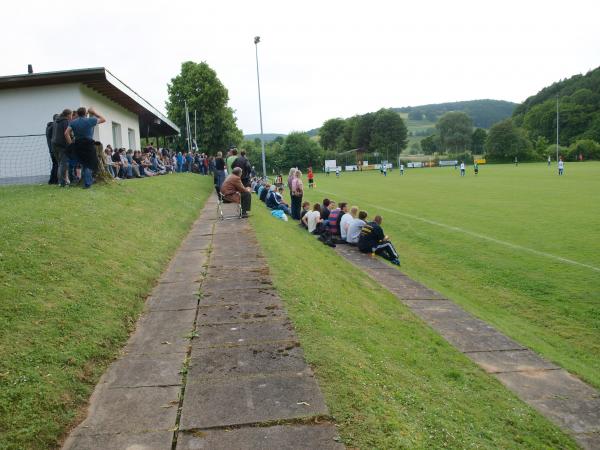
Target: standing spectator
x,y
297,193
179,162
219,170
232,186
230,159
243,163
290,178
59,147
83,146
49,128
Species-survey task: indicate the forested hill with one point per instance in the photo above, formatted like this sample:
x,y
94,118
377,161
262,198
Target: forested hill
x,y
484,113
579,105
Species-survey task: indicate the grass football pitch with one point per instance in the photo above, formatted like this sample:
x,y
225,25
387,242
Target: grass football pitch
x,y
517,246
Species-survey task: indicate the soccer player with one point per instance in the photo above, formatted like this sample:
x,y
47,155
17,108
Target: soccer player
x,y
401,169
372,240
384,168
462,168
549,160
561,166
476,168
337,171
311,178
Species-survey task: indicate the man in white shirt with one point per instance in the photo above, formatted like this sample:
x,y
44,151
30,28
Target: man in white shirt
x,y
354,228
462,168
401,169
345,221
561,166
312,218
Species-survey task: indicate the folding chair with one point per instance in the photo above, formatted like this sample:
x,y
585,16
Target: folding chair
x,y
221,200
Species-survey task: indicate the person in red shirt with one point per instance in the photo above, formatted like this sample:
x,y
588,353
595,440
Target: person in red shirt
x,y
311,178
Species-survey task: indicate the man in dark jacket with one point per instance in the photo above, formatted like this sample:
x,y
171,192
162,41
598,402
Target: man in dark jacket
x,y
372,240
59,147
49,127
243,163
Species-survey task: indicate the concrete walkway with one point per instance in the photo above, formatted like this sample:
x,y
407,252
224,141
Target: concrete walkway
x,y
223,370
564,399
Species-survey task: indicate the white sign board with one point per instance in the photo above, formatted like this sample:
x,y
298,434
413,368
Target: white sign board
x,y
330,164
351,168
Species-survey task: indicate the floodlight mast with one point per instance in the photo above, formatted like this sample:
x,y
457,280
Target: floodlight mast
x,y
262,139
557,129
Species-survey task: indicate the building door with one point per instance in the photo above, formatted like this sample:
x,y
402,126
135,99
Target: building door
x,y
116,132
131,136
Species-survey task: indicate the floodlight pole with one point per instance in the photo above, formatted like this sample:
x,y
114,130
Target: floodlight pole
x,y
262,139
195,131
557,116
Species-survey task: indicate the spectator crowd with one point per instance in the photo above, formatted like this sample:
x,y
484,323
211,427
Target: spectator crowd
x,y
74,156
333,223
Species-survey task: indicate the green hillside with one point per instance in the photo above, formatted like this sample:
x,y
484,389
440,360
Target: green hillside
x,y
579,105
484,113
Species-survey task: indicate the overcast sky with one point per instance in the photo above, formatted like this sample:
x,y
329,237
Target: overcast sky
x,y
318,59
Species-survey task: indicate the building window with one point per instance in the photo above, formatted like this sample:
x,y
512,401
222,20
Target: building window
x,y
116,131
131,135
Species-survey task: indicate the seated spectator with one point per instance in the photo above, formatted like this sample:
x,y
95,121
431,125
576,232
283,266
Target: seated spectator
x,y
355,227
263,194
279,203
305,209
332,221
345,221
133,164
325,209
234,191
312,219
372,240
270,198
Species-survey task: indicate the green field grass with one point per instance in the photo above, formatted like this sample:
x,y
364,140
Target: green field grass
x,y
75,268
389,380
517,246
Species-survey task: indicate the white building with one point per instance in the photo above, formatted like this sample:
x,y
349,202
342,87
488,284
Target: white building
x,y
28,102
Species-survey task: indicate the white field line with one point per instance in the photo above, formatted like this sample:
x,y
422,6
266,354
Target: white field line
x,y
480,236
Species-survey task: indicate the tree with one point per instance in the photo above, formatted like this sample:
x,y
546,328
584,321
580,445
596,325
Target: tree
x,y
587,148
506,141
431,144
330,132
299,150
361,134
199,86
389,132
478,141
415,114
455,129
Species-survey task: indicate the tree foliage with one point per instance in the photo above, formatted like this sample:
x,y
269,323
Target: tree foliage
x,y
586,148
389,132
199,85
478,141
431,144
579,106
330,133
505,141
455,130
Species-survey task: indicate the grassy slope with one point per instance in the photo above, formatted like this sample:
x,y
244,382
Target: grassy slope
x,y
549,305
75,267
388,379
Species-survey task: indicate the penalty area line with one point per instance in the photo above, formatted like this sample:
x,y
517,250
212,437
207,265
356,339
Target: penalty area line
x,y
480,236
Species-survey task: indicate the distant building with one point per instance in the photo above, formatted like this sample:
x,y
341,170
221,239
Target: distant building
x,y
28,102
